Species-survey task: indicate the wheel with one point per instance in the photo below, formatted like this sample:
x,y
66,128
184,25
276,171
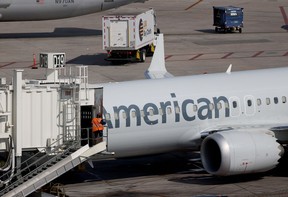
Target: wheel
x,y
240,30
143,55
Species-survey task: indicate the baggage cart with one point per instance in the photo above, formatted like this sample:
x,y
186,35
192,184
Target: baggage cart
x,y
228,19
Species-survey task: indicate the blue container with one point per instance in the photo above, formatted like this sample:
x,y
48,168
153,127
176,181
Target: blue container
x,y
228,19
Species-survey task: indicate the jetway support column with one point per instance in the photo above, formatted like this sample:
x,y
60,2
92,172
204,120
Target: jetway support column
x,y
17,114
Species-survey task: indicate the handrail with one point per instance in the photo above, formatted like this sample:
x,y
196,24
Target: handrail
x,y
39,168
27,163
38,162
8,162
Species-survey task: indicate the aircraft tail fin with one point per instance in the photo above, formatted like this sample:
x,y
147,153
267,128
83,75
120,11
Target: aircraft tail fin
x,y
157,69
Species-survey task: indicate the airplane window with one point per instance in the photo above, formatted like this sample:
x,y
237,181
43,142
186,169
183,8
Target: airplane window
x,y
276,100
195,108
160,111
268,101
258,102
124,115
133,114
116,116
211,106
227,105
107,116
151,112
169,110
177,110
219,106
234,104
284,100
142,113
249,103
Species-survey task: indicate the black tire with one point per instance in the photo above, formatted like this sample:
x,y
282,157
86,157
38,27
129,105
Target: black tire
x,y
240,30
143,55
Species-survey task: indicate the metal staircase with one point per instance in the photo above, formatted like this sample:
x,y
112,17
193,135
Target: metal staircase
x,y
45,166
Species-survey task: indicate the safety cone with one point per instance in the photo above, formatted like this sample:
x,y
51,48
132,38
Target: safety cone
x,y
34,66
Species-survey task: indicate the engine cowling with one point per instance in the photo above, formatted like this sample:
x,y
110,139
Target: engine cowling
x,y
240,152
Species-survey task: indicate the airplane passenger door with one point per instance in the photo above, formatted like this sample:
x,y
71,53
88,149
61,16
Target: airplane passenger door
x,y
5,3
98,107
86,125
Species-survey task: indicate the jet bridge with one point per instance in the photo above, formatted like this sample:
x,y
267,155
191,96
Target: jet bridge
x,y
45,127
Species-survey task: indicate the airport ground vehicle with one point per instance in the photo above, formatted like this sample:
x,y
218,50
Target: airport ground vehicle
x,y
129,37
228,19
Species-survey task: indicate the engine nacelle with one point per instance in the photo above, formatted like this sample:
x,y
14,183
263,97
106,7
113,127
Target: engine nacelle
x,y
240,152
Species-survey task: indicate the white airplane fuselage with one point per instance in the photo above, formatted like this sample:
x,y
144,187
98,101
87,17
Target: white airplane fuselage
x,y
30,10
185,107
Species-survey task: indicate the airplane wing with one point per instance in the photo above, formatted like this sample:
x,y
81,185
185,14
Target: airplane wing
x,y
157,69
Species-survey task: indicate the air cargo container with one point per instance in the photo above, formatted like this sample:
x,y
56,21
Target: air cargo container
x,y
228,19
129,37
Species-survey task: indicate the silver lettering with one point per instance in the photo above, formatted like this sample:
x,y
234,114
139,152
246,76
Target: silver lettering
x,y
186,112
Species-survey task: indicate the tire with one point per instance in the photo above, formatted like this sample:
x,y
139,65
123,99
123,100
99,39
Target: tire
x,y
143,55
240,30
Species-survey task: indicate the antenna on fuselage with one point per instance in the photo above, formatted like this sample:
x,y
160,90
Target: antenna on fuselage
x,y
229,69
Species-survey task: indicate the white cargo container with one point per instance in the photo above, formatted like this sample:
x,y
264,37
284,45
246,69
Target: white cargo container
x,y
129,37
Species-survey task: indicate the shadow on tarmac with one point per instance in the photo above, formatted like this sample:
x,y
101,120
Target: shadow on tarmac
x,y
89,60
95,59
207,31
58,32
173,163
178,163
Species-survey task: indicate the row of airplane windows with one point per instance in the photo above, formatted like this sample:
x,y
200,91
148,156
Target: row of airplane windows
x,y
267,100
219,106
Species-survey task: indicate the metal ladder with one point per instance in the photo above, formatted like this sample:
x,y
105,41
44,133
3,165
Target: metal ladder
x,y
33,174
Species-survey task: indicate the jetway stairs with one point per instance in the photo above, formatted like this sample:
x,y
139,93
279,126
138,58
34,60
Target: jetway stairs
x,y
45,166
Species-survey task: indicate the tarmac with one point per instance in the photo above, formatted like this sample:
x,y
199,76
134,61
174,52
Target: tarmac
x,y
191,47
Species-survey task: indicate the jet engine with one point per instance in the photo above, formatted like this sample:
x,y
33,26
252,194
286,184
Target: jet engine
x,y
240,152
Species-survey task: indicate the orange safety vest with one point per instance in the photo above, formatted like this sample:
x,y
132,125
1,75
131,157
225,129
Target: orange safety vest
x,y
96,124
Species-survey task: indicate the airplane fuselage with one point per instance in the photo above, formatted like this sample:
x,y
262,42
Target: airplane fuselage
x,y
28,10
182,109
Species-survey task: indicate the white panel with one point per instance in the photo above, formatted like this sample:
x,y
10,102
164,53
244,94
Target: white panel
x,y
26,118
39,117
118,33
2,108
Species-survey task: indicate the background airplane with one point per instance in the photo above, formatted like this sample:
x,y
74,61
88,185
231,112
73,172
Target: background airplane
x,y
33,10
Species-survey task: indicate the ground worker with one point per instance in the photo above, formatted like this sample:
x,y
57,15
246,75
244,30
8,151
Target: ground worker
x,y
97,128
